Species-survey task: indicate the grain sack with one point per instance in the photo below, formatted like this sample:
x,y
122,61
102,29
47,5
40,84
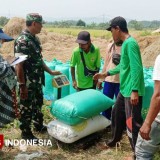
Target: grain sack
x,y
70,134
77,107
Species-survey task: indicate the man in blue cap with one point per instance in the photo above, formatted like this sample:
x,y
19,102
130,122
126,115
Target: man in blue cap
x,y
7,86
4,37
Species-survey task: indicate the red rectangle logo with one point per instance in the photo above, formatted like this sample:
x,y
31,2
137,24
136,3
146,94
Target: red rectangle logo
x,y
1,141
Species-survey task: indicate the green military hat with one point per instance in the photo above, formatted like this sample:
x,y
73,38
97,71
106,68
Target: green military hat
x,y
34,17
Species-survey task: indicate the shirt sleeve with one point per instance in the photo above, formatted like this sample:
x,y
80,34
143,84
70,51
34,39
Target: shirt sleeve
x,y
136,67
73,61
21,46
3,69
114,71
98,63
156,70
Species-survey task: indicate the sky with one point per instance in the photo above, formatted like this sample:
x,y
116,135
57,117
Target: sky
x,y
70,9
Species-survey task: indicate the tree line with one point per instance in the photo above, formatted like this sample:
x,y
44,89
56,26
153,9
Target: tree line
x,y
133,24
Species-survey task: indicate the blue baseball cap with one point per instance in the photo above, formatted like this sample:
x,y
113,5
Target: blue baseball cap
x,y
5,36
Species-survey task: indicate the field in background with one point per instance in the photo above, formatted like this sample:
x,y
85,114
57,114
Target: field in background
x,y
65,38
74,31
104,34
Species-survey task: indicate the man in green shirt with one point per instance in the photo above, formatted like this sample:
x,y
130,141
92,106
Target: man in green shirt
x,y
129,100
91,55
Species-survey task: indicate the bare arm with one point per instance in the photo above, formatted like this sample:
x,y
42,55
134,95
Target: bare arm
x,y
106,62
20,73
21,80
154,109
47,69
74,83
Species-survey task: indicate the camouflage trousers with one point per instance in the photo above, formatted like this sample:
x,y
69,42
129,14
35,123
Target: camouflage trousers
x,y
30,109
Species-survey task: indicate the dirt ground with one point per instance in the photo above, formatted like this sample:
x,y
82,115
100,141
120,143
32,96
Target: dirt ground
x,y
79,150
60,46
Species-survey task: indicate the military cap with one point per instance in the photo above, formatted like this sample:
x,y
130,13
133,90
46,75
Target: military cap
x,y
34,17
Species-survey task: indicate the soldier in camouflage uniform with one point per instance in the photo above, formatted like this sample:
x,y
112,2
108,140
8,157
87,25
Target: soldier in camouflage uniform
x,y
30,74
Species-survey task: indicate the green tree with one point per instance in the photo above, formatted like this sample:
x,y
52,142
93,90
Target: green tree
x,y
103,25
81,23
3,20
135,24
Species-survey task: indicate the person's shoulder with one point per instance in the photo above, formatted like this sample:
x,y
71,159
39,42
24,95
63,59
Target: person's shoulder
x,y
109,45
21,37
96,48
131,41
76,50
158,59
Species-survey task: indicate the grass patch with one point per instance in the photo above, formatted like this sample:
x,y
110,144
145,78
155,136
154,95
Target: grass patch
x,y
145,33
74,32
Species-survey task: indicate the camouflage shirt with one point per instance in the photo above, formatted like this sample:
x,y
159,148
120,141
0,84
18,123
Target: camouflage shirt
x,y
30,45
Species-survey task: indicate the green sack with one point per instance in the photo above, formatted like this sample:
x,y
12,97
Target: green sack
x,y
77,107
144,113
48,90
149,87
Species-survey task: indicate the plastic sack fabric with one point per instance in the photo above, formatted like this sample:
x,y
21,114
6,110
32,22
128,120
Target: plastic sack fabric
x,y
79,106
102,64
48,89
71,89
149,87
70,134
144,113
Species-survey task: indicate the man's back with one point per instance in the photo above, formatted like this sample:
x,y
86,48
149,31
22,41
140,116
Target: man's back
x,y
131,69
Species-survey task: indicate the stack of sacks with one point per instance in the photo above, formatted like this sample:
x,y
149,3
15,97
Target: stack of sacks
x,y
78,115
149,87
48,89
50,92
